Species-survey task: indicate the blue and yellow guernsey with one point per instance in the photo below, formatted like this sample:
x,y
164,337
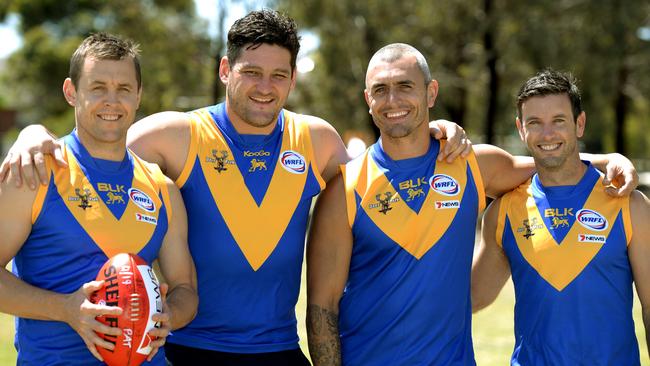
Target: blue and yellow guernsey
x,y
407,299
248,199
87,213
567,248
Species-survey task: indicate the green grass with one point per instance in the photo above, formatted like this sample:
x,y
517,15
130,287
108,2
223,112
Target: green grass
x,y
493,335
7,351
492,329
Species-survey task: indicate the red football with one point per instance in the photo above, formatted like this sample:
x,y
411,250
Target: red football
x,y
132,285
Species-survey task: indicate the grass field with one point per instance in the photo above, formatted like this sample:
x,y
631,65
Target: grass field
x,y
7,351
493,339
493,331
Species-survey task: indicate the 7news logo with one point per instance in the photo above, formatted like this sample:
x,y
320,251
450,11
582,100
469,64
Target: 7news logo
x,y
589,238
441,205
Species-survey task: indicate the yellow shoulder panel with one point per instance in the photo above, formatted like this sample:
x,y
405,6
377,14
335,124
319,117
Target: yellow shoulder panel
x,y
476,173
300,127
627,219
196,118
41,192
160,180
354,178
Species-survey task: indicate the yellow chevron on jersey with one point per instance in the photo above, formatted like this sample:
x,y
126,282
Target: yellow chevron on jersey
x,y
559,264
414,232
256,229
135,227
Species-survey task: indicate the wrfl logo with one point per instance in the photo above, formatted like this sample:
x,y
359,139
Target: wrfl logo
x,y
142,200
591,219
444,185
293,162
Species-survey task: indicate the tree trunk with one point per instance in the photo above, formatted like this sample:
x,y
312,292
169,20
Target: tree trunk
x,y
620,108
220,46
493,77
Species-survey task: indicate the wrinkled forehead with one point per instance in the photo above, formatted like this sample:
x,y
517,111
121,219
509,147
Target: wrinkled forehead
x,y
387,72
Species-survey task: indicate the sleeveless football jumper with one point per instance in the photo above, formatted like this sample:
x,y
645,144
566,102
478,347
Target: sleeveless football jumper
x,y
407,299
87,213
567,248
248,199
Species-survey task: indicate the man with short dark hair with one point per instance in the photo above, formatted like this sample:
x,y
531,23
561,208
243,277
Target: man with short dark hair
x,y
60,235
573,250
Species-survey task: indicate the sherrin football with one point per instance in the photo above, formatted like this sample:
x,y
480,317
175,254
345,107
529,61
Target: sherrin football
x,y
132,285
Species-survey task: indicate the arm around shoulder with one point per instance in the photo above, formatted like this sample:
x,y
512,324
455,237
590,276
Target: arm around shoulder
x,y
329,250
639,254
26,157
502,172
621,178
162,138
490,268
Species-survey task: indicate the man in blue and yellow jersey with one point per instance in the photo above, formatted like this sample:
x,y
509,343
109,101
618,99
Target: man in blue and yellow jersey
x,y
247,170
106,201
573,251
390,251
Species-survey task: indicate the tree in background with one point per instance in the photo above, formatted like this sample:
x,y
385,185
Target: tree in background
x,y
481,51
598,42
351,31
175,56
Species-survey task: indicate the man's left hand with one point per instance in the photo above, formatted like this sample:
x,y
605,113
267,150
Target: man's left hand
x,y
621,178
457,142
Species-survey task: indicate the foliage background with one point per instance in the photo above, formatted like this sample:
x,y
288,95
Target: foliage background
x,y
175,54
479,50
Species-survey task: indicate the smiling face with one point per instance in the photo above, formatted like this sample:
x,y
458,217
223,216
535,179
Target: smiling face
x,y
548,129
398,97
105,99
257,87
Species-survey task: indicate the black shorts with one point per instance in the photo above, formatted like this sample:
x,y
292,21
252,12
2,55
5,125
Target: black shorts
x,y
178,355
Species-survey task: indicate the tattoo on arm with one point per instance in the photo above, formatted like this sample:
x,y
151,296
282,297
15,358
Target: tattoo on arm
x,y
323,336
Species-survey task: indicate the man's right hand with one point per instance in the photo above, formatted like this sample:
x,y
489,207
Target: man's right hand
x,y
26,157
80,314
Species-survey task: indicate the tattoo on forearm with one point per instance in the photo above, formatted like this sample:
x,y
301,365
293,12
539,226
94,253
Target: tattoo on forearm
x,y
323,336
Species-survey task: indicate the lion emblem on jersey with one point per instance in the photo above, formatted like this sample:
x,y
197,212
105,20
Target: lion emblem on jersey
x,y
557,222
257,165
114,198
414,193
